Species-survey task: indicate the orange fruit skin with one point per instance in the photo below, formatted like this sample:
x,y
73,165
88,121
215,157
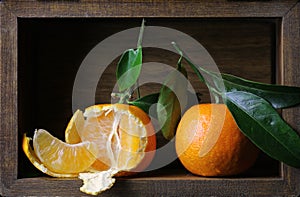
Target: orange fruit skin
x,y
151,138
231,153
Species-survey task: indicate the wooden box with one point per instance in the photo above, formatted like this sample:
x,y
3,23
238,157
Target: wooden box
x,y
44,42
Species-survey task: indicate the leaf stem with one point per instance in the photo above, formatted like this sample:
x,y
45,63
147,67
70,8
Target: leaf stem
x,y
189,62
139,45
140,39
217,94
122,96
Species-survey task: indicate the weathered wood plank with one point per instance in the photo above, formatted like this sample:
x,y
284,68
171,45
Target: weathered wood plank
x,y
174,184
291,76
157,8
291,58
8,98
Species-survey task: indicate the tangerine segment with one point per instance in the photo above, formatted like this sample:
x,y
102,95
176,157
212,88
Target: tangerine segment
x,y
209,142
76,123
61,157
123,133
37,163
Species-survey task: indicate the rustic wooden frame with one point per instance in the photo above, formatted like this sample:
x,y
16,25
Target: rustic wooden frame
x,y
289,61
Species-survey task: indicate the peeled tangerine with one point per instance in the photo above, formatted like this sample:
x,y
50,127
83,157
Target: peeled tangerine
x,y
106,140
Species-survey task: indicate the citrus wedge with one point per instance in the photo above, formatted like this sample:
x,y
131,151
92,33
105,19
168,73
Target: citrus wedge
x,y
76,123
37,163
60,157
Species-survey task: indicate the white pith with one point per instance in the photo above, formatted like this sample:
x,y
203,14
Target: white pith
x,y
97,182
113,152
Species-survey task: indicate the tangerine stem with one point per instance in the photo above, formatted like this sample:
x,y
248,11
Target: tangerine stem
x,y
217,94
139,43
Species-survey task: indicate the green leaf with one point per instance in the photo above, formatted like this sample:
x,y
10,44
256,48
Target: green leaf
x,y
279,96
168,112
145,102
130,65
169,107
129,68
261,123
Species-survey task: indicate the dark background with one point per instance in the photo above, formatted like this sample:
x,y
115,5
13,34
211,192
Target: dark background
x,y
50,52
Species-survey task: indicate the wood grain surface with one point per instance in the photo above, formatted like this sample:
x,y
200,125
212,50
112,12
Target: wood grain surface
x,y
43,44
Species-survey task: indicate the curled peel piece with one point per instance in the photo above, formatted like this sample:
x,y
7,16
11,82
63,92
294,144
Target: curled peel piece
x,y
97,182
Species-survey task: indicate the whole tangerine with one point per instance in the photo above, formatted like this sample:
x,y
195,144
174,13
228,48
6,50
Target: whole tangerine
x,y
209,142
